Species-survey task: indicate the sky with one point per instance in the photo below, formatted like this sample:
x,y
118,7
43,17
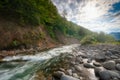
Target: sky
x,y
95,15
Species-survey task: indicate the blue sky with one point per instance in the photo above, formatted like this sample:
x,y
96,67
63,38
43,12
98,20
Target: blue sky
x,y
96,15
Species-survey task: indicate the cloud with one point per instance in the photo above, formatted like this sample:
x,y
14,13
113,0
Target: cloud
x,y
96,15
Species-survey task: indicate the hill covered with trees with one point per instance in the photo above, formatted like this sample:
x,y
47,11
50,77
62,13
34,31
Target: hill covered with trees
x,y
34,22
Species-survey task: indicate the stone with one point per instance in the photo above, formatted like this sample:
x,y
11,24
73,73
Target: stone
x,y
97,70
66,77
61,69
87,65
110,65
79,60
69,71
117,61
58,74
78,68
97,64
89,60
100,57
114,57
118,67
114,74
104,75
109,75
83,55
75,75
72,63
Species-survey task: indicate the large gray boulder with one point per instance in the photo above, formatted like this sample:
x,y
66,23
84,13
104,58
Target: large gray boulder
x,y
104,75
109,75
118,67
100,57
110,65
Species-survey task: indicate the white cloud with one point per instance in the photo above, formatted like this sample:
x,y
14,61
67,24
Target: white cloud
x,y
92,14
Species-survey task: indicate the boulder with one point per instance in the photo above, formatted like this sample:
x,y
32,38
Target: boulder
x,y
117,61
58,74
97,64
79,60
66,77
88,65
69,71
110,65
89,60
104,75
109,75
118,67
100,57
97,71
114,75
78,68
75,75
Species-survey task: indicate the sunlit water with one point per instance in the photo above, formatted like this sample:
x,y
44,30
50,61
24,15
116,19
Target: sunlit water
x,y
29,64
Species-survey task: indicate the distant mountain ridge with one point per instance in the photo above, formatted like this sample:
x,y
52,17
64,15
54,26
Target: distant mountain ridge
x,y
116,35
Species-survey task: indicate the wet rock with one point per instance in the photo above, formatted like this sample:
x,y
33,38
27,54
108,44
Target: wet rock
x,y
104,75
109,65
114,75
100,57
66,77
114,57
118,67
89,60
79,60
78,68
83,55
87,65
75,75
117,61
69,57
97,71
97,64
69,71
72,63
61,69
109,75
108,53
58,74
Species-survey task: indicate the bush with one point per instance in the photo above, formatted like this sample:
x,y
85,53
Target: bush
x,y
88,40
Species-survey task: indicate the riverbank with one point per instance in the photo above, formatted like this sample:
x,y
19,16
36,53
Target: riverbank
x,y
30,51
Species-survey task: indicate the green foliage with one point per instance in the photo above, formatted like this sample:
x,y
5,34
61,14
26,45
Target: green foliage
x,y
88,40
37,12
32,12
102,37
97,38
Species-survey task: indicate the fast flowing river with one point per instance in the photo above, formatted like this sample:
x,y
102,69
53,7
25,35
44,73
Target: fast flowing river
x,y
26,67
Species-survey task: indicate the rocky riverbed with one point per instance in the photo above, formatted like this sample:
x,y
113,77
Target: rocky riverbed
x,y
71,62
91,62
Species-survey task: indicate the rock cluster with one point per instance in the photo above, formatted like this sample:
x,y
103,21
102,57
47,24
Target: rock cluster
x,y
99,62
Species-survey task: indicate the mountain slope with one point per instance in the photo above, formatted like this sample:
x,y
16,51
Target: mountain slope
x,y
26,23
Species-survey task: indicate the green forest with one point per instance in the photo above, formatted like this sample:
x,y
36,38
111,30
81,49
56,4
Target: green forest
x,y
36,13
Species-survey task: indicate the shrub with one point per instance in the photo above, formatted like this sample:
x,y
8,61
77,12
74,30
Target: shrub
x,y
88,40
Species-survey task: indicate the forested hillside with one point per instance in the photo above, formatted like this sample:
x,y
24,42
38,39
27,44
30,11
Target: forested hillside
x,y
34,22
